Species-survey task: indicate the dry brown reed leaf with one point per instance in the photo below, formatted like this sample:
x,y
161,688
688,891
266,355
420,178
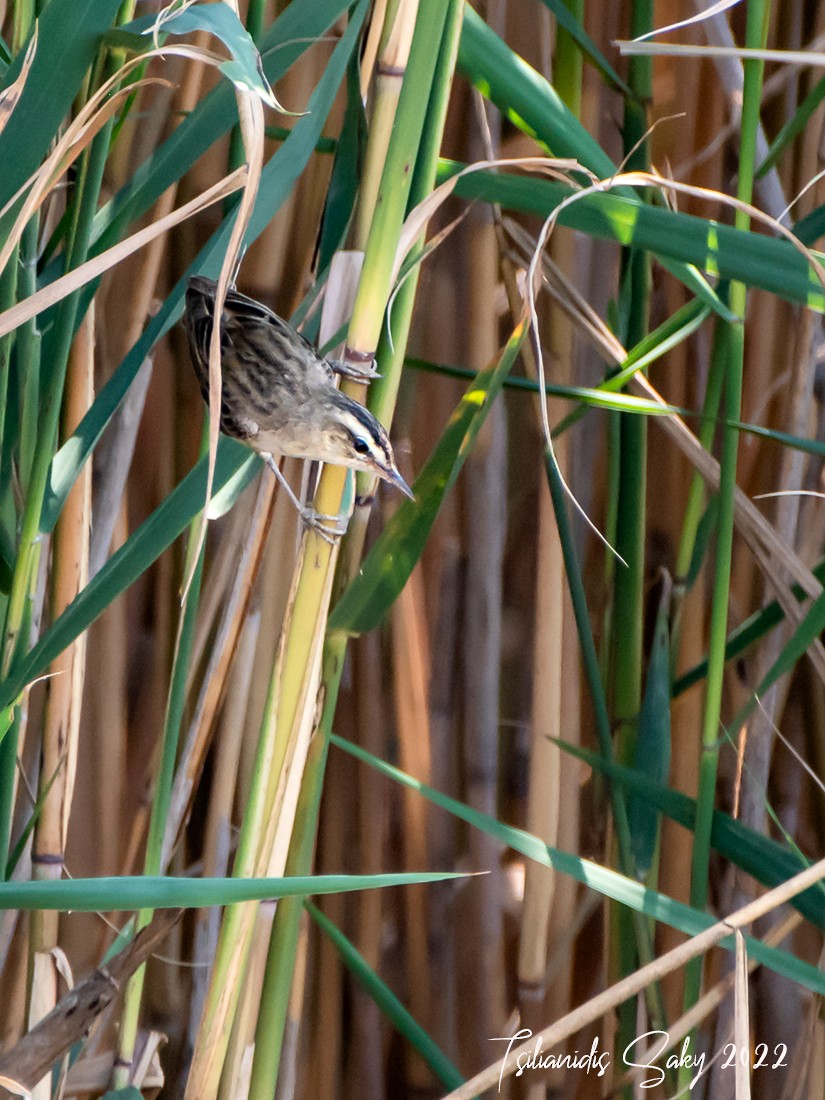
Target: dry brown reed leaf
x,y
569,298
14,1088
170,12
98,265
92,116
9,96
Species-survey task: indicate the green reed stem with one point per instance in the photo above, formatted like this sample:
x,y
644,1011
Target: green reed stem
x,y
758,12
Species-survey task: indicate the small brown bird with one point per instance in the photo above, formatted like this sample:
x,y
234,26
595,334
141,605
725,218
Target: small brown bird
x,y
279,396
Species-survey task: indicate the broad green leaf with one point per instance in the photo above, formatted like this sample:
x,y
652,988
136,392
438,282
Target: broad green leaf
x,y
381,994
811,227
389,563
139,551
610,883
755,259
768,861
599,397
127,892
68,36
346,168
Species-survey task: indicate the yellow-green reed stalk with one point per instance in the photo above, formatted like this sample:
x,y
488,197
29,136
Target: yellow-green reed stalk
x,y
755,38
277,984
280,963
388,80
393,344
291,698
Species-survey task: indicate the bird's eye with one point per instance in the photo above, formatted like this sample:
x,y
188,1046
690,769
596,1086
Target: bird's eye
x,y
361,446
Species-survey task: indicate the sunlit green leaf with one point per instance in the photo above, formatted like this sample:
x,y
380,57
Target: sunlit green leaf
x,y
89,895
752,258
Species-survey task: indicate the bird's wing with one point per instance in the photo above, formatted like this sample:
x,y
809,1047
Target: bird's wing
x,y
247,311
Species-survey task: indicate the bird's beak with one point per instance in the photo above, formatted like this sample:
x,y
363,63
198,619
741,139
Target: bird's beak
x,y
392,475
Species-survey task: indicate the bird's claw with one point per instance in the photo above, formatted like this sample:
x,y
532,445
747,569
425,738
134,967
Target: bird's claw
x,y
329,528
349,370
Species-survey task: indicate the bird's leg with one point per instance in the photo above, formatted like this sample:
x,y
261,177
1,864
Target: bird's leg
x,y
351,370
329,528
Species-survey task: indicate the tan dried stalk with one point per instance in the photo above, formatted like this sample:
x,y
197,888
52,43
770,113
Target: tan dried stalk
x,y
411,663
61,725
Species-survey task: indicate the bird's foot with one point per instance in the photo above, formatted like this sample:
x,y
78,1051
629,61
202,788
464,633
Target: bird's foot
x,y
351,370
329,528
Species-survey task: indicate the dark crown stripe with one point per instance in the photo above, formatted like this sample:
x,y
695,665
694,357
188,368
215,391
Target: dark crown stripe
x,y
369,428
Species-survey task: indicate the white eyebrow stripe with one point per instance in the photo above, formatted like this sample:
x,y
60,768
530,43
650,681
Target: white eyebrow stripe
x,y
364,428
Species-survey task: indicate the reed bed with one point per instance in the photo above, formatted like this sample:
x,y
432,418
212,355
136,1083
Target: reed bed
x,y
517,787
